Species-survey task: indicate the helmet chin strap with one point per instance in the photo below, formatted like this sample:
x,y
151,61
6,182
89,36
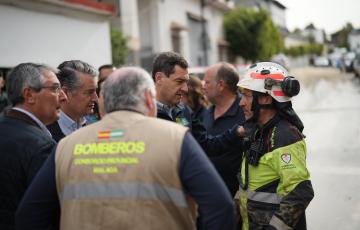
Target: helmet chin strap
x,y
255,107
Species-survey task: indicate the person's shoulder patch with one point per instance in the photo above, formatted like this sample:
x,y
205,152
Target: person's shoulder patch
x,y
286,157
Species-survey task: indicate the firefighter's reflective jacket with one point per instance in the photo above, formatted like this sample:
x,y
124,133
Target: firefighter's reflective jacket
x,y
275,183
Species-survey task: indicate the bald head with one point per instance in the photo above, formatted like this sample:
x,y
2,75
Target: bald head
x,y
226,72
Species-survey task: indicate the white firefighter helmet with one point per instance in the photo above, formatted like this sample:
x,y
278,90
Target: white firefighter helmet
x,y
269,78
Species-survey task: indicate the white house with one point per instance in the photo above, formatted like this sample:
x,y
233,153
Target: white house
x,y
317,35
354,40
154,26
293,39
51,31
275,8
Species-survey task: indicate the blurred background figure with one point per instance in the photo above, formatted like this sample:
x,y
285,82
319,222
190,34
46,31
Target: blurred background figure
x,y
195,97
99,110
105,71
3,96
79,82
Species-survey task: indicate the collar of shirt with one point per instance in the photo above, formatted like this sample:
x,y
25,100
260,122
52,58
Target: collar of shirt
x,y
164,108
232,111
68,125
32,116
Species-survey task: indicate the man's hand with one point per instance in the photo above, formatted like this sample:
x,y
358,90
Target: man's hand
x,y
241,131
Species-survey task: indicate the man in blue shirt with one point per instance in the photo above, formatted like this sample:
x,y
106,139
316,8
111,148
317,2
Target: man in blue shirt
x,y
79,81
221,90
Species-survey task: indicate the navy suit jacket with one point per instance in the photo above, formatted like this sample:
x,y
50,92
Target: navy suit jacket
x,y
24,147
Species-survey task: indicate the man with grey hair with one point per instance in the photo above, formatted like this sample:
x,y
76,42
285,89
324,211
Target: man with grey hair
x,y
130,170
25,143
79,81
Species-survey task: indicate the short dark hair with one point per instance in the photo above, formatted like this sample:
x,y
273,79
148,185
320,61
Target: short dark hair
x,y
106,66
165,62
229,75
68,73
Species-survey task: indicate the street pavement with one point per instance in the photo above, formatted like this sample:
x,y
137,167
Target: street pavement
x,y
329,105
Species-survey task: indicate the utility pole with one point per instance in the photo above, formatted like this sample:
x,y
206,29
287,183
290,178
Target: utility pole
x,y
203,32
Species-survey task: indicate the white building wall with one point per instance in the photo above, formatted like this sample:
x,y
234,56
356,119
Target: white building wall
x,y
318,35
278,16
166,12
294,41
354,42
29,36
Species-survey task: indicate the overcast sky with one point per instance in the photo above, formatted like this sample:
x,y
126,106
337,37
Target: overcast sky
x,y
330,15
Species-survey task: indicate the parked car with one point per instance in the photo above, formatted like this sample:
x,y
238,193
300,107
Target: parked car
x,y
356,65
348,59
321,61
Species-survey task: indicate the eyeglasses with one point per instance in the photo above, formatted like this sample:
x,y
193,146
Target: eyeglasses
x,y
54,88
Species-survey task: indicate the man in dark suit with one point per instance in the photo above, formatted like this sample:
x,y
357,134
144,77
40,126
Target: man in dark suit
x,y
79,81
25,143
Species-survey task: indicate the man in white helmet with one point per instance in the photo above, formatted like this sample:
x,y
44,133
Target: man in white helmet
x,y
275,186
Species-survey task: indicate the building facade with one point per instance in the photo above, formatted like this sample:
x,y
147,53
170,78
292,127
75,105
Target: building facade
x,y
176,25
313,34
275,8
354,40
53,31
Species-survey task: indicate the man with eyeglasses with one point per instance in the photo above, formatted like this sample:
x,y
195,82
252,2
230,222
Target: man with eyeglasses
x,y
25,143
79,81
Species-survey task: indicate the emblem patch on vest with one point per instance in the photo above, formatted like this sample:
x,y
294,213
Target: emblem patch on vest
x,y
286,157
183,121
110,134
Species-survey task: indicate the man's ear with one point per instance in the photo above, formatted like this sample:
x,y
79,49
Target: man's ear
x,y
158,77
29,95
150,103
221,83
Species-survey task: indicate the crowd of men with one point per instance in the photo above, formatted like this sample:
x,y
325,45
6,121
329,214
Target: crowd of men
x,y
120,149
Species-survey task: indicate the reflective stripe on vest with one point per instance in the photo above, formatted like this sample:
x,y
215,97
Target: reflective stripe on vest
x,y
279,224
265,197
123,191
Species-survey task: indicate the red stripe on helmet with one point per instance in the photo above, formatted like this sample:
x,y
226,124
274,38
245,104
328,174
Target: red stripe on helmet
x,y
278,93
275,76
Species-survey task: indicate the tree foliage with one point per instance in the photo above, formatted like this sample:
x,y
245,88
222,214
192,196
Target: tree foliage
x,y
339,38
252,34
301,50
118,47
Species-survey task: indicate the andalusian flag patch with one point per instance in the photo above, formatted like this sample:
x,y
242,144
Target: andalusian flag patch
x,y
110,134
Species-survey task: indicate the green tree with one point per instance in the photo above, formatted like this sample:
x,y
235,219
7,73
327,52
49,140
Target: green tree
x,y
301,50
339,38
118,47
252,34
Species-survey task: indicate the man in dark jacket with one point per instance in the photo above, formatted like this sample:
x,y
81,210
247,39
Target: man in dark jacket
x,y
25,143
170,75
221,90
